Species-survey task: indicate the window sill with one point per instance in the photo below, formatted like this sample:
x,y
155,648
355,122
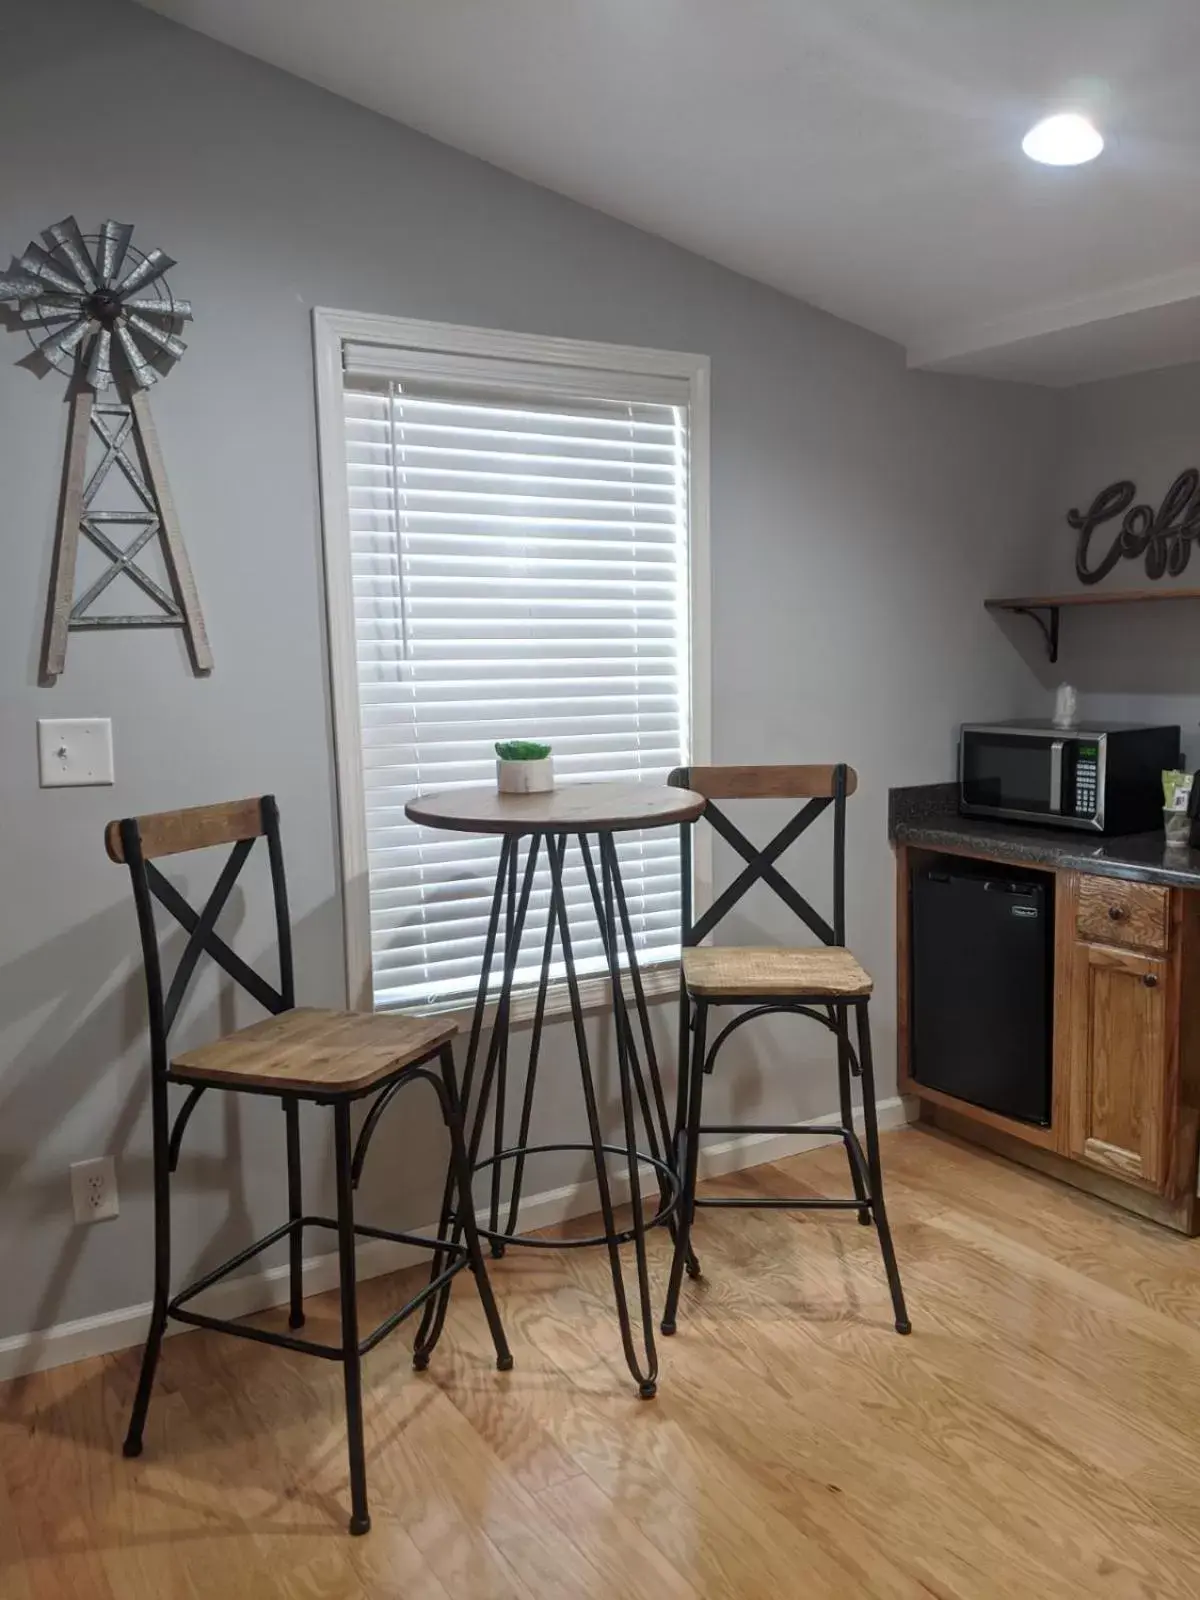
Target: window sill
x,y
660,981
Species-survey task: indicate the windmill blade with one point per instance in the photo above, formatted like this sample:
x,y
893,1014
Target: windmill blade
x,y
172,309
99,367
173,346
39,265
114,241
143,373
61,345
52,322
69,240
52,308
18,286
146,272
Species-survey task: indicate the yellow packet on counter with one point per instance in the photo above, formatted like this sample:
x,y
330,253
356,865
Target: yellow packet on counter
x,y
1177,790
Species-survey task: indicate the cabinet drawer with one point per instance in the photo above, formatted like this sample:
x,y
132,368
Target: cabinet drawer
x,y
1114,912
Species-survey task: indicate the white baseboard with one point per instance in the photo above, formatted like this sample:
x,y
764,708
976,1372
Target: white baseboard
x,y
239,1297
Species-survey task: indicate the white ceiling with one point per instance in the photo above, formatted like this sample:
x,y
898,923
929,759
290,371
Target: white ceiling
x,y
863,155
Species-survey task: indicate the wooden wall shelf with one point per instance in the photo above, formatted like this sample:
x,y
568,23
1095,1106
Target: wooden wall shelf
x,y
1044,608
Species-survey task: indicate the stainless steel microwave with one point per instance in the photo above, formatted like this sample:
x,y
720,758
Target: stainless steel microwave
x,y
1104,777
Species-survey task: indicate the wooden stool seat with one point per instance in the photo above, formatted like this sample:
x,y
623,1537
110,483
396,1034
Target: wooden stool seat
x,y
771,972
311,1050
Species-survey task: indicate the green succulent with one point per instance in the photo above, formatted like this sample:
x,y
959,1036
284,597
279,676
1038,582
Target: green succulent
x,y
522,750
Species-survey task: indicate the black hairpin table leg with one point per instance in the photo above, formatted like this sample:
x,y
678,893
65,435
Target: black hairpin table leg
x,y
641,1092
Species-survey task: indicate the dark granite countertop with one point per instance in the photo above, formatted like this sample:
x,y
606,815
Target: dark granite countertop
x,y
927,815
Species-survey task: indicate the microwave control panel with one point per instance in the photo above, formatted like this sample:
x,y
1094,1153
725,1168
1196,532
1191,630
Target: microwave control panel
x,y
1086,763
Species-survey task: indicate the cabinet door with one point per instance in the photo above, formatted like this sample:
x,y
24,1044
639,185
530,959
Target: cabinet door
x,y
1121,1063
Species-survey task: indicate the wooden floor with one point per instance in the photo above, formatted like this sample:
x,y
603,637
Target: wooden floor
x,y
1038,1435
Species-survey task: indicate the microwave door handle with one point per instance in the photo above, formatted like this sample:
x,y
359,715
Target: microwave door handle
x,y
1056,769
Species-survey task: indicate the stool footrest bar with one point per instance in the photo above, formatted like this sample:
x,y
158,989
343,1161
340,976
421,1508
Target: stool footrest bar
x,y
309,1347
406,1310
232,1264
285,1341
823,1129
771,1202
362,1229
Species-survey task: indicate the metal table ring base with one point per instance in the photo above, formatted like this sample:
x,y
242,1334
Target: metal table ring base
x,y
667,1179
543,828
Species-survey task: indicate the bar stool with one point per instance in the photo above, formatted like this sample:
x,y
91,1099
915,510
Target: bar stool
x,y
330,1058
824,983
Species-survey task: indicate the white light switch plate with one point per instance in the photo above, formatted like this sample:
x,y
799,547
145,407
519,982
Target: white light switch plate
x,y
74,751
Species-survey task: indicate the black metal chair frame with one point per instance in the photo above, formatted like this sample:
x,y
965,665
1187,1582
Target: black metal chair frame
x,y
697,1058
149,884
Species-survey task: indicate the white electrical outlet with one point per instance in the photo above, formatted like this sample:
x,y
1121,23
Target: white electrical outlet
x,y
94,1190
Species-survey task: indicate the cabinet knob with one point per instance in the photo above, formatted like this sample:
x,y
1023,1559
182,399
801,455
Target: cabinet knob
x,y
1150,981
1117,913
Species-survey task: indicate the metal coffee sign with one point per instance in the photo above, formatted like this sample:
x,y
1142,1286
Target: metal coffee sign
x,y
1163,536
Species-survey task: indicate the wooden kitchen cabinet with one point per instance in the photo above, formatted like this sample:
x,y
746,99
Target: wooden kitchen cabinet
x,y
1125,1111
1120,1068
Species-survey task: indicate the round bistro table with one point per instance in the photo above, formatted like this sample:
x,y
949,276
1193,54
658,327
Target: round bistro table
x,y
545,825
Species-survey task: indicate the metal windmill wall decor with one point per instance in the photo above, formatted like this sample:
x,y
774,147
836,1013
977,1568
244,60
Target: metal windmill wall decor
x,y
99,310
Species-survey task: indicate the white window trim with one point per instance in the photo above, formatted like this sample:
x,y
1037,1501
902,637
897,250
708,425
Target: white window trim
x,y
332,331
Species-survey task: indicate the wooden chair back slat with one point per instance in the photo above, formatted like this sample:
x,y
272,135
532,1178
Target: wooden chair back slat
x,y
169,833
763,783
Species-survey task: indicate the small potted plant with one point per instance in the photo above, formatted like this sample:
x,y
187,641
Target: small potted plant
x,y
524,767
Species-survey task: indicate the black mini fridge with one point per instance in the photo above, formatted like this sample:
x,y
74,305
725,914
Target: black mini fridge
x,y
981,1011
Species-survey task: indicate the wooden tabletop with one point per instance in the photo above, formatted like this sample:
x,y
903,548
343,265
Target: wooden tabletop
x,y
573,808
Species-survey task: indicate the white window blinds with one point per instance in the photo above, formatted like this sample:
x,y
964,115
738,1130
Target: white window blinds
x,y
519,558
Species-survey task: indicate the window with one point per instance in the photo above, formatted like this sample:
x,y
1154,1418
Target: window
x,y
514,542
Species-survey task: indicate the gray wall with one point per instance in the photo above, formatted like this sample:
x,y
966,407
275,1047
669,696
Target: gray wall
x,y
860,514
1138,663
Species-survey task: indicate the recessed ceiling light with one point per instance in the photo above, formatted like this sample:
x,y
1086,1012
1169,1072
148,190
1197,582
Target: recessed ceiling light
x,y
1065,140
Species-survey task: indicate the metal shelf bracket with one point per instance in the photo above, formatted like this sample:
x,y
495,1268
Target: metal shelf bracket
x,y
1046,618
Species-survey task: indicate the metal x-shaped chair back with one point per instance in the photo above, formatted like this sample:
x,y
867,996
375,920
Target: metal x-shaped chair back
x,y
821,787
139,841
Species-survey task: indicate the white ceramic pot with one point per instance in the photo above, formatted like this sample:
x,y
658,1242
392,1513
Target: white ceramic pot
x,y
525,777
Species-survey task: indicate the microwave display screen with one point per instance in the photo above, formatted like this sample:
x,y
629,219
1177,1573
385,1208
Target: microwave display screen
x,y
1008,771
